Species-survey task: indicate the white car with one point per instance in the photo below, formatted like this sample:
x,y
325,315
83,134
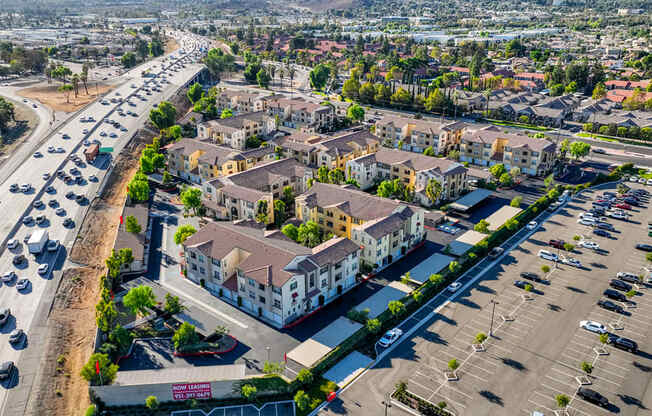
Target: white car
x,y
390,337
571,261
649,182
592,245
22,284
593,326
586,221
532,225
642,180
546,255
13,243
43,269
8,276
618,215
453,287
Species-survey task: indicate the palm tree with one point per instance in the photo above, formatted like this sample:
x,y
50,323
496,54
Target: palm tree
x,y
281,74
291,72
271,70
83,76
433,190
75,83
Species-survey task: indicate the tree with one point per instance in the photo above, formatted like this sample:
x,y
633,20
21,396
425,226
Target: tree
x,y
226,113
302,400
172,304
401,97
291,231
131,224
262,211
564,147
599,92
480,337
183,232
497,170
545,268
128,60
454,267
437,280
194,93
139,299
322,174
482,226
305,377
318,76
107,370
417,296
429,151
373,325
336,176
355,113
351,88
185,335
396,307
279,212
151,402
105,314
562,400
505,179
65,89
433,190
288,196
249,391
516,202
586,367
263,78
453,364
557,90
579,149
191,199
511,224
367,93
163,116
217,62
253,142
309,234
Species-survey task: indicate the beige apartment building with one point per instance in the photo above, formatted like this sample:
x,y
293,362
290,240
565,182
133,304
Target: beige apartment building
x,y
417,135
234,131
300,114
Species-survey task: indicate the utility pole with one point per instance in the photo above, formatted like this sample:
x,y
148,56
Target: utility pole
x,y
387,404
493,310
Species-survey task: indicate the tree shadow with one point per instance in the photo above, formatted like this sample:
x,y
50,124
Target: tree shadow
x,y
516,365
491,397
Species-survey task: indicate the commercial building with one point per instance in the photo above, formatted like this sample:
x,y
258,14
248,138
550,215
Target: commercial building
x,y
412,169
489,146
385,229
416,135
198,161
234,131
268,274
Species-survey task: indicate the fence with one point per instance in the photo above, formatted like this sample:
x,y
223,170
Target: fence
x,y
281,408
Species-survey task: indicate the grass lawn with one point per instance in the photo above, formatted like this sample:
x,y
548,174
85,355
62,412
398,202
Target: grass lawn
x,y
519,125
597,136
318,391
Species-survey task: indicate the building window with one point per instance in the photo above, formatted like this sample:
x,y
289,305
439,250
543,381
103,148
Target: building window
x,y
193,255
338,277
329,224
216,275
200,258
276,290
261,299
202,270
323,270
293,285
261,286
193,266
354,255
338,266
252,295
252,283
277,304
324,283
311,280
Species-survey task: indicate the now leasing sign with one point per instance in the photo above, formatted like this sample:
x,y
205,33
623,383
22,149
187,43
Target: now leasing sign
x,y
191,391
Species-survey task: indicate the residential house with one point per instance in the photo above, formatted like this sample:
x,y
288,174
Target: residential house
x,y
416,135
301,114
238,196
386,229
489,146
412,169
136,242
267,274
240,102
234,131
199,161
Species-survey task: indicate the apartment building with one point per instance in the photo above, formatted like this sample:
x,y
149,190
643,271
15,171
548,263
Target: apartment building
x,y
266,273
199,161
489,146
301,114
385,229
234,131
237,196
417,135
241,102
412,169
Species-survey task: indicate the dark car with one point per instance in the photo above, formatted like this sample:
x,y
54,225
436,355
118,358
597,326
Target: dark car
x,y
644,247
600,232
605,226
628,277
631,201
556,243
6,369
592,396
531,276
521,284
5,313
70,195
19,259
615,295
597,211
610,306
623,343
620,285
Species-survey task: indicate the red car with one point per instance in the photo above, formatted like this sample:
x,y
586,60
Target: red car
x,y
556,244
623,205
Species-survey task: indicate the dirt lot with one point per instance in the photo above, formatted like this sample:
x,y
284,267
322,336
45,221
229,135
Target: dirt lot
x,y
50,96
61,390
171,45
26,121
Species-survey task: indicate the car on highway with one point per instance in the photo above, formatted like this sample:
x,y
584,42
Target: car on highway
x,y
453,287
531,225
6,370
615,295
68,222
16,336
593,326
622,343
43,269
87,143
8,276
53,245
45,176
610,306
27,219
390,337
14,187
620,285
591,245
13,243
60,211
495,252
602,233
5,313
40,219
592,396
644,247
547,255
22,284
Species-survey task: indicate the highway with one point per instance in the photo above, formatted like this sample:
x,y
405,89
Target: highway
x,y
72,139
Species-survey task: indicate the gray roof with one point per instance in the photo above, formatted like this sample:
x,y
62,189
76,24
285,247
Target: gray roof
x,y
333,250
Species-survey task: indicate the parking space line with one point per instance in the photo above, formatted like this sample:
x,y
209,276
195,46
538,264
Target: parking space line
x,y
468,373
495,345
449,386
558,381
420,385
539,405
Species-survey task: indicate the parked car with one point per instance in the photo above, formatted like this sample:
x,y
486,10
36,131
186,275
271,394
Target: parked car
x,y
556,244
627,277
586,221
592,396
5,313
620,285
602,233
593,326
390,337
521,284
592,245
615,295
605,226
22,284
8,276
644,247
531,276
546,255
623,343
623,205
6,368
610,306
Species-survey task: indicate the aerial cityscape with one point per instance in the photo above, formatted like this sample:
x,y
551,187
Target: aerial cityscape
x,y
325,208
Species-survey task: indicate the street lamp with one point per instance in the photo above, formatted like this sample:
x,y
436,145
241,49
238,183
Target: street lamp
x,y
387,403
493,310
268,348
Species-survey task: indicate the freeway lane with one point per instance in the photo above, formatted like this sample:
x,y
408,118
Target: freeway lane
x,y
29,308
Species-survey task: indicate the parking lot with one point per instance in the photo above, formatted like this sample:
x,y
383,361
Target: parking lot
x,y
537,346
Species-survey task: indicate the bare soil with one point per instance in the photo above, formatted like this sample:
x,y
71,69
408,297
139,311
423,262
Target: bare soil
x,y
61,391
50,96
20,129
171,45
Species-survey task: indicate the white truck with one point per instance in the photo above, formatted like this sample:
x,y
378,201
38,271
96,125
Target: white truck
x,y
37,242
